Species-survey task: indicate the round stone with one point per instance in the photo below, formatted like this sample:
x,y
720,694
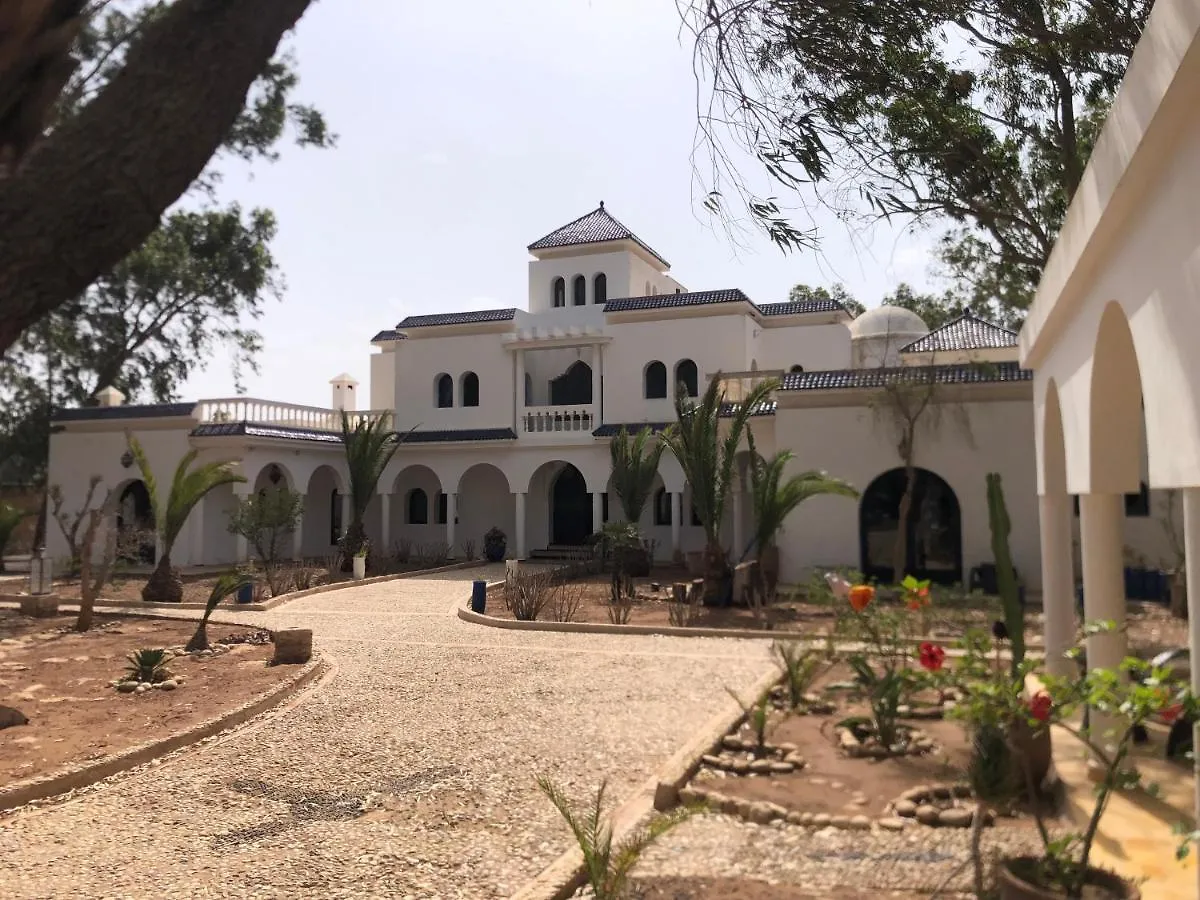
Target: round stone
x,y
956,817
731,806
167,685
782,767
797,818
891,823
731,742
744,808
761,813
796,760
860,823
820,820
840,821
127,687
709,760
760,766
141,688
906,808
927,815
740,766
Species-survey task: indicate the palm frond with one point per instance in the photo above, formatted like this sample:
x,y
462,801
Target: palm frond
x,y
592,836
370,445
634,468
630,849
189,487
143,464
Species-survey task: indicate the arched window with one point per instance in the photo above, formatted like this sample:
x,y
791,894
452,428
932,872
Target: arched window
x,y
579,291
656,381
335,517
443,391
417,507
558,292
687,376
470,389
600,288
662,507
795,369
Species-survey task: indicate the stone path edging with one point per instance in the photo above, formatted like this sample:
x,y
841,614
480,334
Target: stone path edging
x,y
61,782
563,877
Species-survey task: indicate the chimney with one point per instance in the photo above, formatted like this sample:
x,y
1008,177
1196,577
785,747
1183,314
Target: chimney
x,y
109,396
344,395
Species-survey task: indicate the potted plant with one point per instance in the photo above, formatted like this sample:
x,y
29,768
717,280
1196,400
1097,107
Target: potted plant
x,y
495,543
360,561
246,579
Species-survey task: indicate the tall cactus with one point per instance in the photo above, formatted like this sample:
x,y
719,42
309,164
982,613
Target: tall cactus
x,y
1006,578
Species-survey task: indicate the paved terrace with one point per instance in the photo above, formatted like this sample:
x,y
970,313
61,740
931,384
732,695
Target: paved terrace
x,y
436,727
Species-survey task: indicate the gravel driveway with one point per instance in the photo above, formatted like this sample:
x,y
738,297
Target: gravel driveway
x,y
434,727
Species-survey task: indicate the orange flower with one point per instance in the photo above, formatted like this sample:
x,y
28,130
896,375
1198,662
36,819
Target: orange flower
x,y
861,596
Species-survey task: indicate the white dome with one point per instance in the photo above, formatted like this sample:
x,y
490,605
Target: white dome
x,y
888,321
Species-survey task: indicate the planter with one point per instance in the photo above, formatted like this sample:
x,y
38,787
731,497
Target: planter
x,y
769,567
245,594
1013,886
360,568
495,545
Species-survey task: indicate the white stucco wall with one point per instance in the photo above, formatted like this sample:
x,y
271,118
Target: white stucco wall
x,y
421,359
811,346
542,272
383,377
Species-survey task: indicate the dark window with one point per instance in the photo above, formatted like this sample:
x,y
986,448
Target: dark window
x,y
443,391
662,507
696,518
335,517
528,389
797,369
470,389
656,381
418,507
600,288
579,291
558,292
604,507
687,376
443,507
1138,504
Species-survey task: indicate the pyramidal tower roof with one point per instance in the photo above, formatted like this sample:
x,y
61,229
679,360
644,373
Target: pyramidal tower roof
x,y
596,227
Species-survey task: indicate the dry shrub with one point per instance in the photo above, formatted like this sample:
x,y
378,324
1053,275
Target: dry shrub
x,y
470,549
526,595
621,597
566,598
684,608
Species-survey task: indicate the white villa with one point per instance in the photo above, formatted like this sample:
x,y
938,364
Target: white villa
x,y
511,412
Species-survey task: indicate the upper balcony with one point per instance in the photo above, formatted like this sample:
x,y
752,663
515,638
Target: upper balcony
x,y
282,415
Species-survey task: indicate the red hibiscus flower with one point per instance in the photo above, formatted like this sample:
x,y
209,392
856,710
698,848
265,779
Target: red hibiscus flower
x,y
932,656
1172,713
1039,706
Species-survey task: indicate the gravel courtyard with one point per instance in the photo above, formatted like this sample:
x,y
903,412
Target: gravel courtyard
x,y
435,727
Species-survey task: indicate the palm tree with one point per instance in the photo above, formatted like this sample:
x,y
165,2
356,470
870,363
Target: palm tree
x,y
188,488
370,446
633,471
10,518
707,459
227,585
774,498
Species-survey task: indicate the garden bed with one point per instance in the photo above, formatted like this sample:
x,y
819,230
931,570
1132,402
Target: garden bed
x,y
666,888
62,681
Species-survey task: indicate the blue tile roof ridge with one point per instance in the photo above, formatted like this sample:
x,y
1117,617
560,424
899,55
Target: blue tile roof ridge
x,y
951,373
468,317
965,332
684,298
597,226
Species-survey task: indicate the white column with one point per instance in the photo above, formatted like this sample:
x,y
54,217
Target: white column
x,y
298,539
597,513
196,524
676,520
1191,542
1100,538
596,377
346,513
739,529
385,522
1058,579
520,524
242,547
519,406
451,515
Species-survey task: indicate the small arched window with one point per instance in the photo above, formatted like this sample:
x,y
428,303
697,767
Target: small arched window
x,y
656,381
558,292
443,391
662,507
470,389
796,369
335,517
417,507
600,288
687,377
579,291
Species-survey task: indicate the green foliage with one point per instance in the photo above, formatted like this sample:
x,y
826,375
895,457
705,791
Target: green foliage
x,y
802,293
706,447
607,865
369,445
758,716
495,543
634,468
800,669
979,117
147,665
10,518
268,520
1006,577
226,586
881,667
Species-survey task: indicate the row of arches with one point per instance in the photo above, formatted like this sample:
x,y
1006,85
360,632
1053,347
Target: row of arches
x,y
579,290
443,390
654,379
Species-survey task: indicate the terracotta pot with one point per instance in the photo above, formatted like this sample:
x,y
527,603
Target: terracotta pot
x,y
1031,749
1013,887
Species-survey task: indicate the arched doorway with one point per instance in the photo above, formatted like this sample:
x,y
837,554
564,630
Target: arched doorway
x,y
570,508
573,387
135,524
934,529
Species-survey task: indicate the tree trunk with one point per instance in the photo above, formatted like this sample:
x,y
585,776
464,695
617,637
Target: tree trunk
x,y
164,585
900,549
1177,586
97,187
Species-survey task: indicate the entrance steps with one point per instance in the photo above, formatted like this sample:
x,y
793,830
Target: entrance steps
x,y
560,553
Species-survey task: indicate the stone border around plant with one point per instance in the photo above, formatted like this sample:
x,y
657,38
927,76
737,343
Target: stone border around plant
x,y
72,779
661,791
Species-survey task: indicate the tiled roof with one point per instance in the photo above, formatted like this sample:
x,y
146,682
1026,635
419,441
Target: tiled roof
x,y
691,298
596,227
765,408
461,434
962,373
388,334
614,428
143,411
787,308
249,429
967,332
461,318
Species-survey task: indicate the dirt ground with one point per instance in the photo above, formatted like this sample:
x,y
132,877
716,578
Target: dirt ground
x,y
60,680
196,587
747,889
1151,626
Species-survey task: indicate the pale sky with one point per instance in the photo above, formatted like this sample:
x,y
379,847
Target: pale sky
x,y
467,130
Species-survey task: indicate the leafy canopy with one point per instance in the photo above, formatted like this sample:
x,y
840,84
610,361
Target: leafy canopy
x,y
634,468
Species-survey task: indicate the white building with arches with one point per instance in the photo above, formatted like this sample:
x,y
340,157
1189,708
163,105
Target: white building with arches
x,y
508,414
